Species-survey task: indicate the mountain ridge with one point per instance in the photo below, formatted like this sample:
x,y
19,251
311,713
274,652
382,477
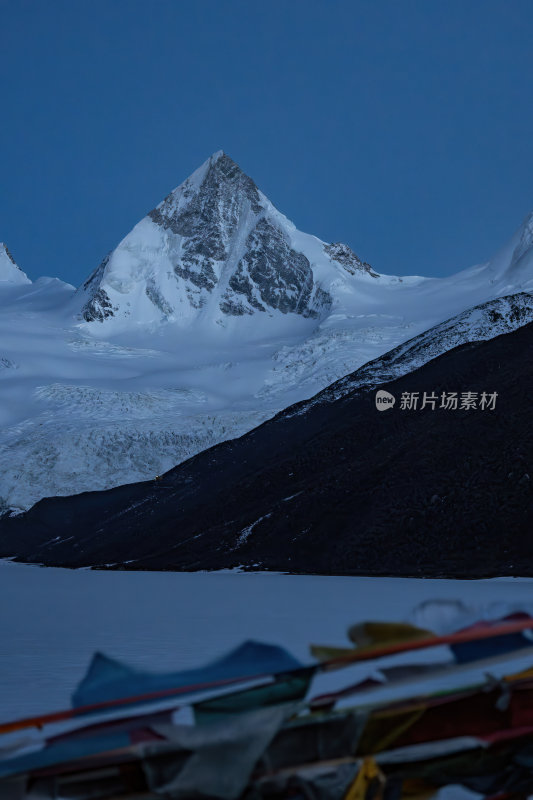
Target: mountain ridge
x,y
189,375
340,489
214,243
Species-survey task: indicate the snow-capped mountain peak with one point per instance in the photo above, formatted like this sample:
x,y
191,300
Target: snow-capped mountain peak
x,y
215,249
10,272
213,314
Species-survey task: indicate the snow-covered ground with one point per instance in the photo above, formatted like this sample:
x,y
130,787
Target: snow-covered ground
x,y
212,315
52,620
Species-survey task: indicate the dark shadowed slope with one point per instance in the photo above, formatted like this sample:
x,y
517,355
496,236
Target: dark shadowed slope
x,y
338,488
482,322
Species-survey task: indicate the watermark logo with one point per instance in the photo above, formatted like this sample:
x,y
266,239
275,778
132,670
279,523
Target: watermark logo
x,y
384,400
449,401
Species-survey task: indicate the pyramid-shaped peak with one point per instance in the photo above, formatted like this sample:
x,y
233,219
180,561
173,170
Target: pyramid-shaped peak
x,y
224,165
218,155
224,172
219,172
216,194
213,249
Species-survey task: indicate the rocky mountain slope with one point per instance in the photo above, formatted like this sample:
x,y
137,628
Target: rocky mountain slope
x,y
339,488
213,314
215,248
480,323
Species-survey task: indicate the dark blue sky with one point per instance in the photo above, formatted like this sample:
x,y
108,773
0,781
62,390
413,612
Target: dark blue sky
x,y
403,127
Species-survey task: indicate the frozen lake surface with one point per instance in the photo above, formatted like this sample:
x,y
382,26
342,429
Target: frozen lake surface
x,y
52,620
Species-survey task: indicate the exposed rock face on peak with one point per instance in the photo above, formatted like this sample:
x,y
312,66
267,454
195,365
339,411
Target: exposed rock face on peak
x,y
270,275
345,255
262,317
207,218
98,307
212,213
215,247
10,272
